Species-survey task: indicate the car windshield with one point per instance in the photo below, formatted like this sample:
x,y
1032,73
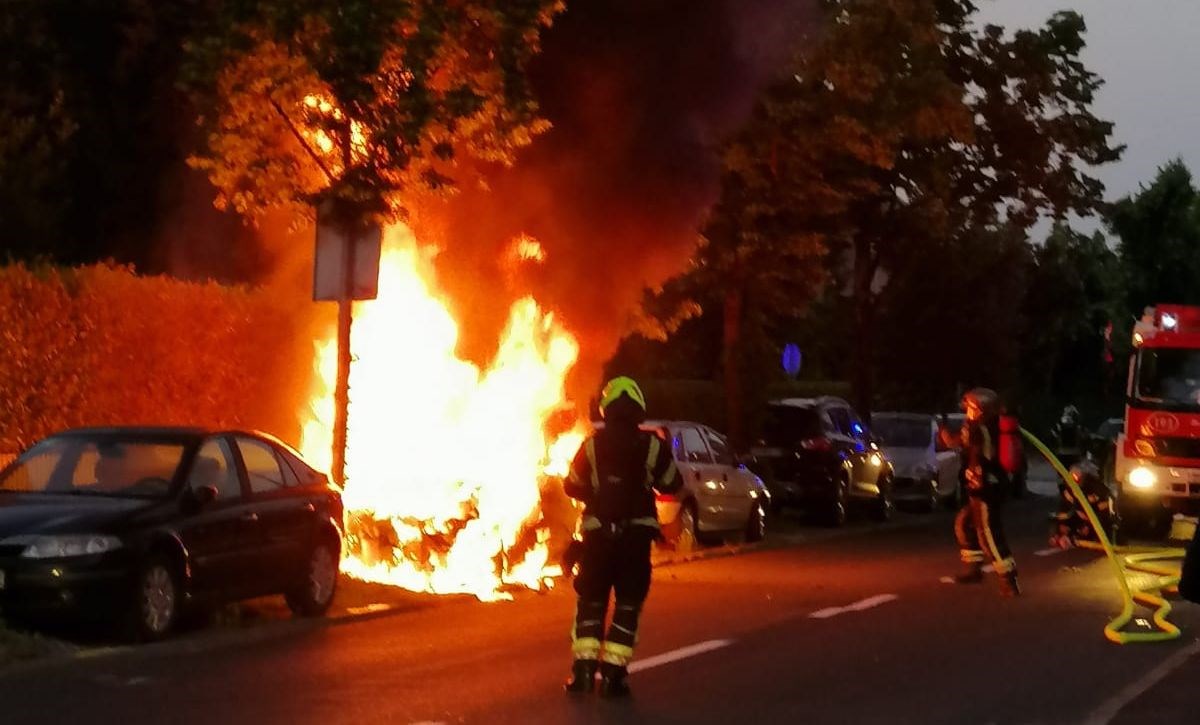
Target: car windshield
x,y
103,465
905,432
786,425
1169,377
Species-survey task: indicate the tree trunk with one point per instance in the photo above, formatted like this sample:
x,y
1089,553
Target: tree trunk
x,y
862,378
731,357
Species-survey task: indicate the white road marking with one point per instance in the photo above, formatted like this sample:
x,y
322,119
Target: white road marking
x,y
859,606
675,655
368,609
1113,706
1049,552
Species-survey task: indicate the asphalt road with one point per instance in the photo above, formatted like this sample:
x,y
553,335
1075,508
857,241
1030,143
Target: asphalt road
x,y
844,627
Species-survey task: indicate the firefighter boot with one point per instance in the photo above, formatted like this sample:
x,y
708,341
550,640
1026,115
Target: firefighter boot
x,y
612,681
972,573
1009,586
583,677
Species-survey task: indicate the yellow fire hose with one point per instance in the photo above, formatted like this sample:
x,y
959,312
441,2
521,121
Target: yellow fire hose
x,y
1149,595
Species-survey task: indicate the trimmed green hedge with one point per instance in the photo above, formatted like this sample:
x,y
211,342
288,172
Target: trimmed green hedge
x,y
100,345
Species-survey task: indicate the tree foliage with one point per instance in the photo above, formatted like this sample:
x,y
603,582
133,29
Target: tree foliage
x,y
935,132
363,101
1159,233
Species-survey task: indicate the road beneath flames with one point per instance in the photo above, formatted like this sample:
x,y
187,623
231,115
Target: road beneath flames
x,y
851,626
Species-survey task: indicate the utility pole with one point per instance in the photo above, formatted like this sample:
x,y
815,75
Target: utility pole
x,y
341,390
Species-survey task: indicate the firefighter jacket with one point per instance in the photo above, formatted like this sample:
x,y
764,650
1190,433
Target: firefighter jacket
x,y
615,475
981,473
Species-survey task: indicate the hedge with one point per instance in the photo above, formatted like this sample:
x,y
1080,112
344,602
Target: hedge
x,y
100,345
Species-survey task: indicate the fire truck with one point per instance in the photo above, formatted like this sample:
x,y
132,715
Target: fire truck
x,y
1156,469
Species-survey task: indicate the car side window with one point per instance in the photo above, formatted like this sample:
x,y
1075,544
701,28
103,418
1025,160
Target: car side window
x,y
693,445
858,429
262,467
305,475
214,467
719,447
841,421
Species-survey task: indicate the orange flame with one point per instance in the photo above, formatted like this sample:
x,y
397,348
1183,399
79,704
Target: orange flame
x,y
444,460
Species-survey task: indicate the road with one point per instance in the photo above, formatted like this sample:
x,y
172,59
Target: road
x,y
831,627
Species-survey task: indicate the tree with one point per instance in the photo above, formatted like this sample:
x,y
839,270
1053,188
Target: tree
x,y
365,102
1159,231
934,130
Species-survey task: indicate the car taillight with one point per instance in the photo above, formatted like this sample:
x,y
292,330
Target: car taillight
x,y
816,444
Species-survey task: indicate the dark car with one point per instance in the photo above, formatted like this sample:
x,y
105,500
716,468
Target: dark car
x,y
817,454
135,525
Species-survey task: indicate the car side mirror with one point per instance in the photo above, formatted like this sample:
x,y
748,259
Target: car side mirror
x,y
199,498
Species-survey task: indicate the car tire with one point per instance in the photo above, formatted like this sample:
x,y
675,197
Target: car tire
x,y
838,509
955,501
756,525
157,600
883,507
313,596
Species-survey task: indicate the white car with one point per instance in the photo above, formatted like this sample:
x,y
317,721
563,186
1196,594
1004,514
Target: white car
x,y
926,472
720,496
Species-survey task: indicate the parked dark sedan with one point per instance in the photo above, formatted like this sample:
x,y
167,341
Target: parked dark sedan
x,y
817,454
133,525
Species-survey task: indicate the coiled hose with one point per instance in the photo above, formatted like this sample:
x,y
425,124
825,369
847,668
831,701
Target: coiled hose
x,y
1164,579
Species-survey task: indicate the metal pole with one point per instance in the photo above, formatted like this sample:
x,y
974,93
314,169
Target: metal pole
x,y
341,391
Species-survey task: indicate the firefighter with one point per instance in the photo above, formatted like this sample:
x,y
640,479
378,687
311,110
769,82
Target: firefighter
x,y
978,526
615,476
1069,436
1070,524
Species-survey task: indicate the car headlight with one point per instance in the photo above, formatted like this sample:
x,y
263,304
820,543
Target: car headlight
x,y
60,547
1142,477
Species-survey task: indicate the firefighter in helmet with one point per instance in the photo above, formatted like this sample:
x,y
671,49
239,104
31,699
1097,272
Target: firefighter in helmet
x,y
978,526
1070,524
615,476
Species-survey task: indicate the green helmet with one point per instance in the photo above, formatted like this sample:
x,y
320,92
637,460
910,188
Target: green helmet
x,y
621,386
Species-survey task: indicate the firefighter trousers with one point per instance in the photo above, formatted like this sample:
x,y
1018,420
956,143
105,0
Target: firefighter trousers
x,y
979,530
616,563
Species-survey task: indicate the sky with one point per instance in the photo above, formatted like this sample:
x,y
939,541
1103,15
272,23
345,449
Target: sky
x,y
1148,54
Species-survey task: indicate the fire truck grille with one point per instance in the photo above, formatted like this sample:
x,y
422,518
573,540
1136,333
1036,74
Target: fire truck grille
x,y
1177,447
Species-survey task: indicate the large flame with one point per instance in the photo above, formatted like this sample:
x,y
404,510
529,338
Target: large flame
x,y
444,460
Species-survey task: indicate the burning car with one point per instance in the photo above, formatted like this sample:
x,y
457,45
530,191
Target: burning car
x,y
135,525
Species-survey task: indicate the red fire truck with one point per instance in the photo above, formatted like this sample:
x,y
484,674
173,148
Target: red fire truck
x,y
1157,461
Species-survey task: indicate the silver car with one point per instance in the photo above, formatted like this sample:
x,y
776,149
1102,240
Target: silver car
x,y
720,496
926,472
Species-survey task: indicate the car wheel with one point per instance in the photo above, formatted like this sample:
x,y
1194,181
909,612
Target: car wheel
x,y
156,602
313,596
883,507
836,514
955,501
756,526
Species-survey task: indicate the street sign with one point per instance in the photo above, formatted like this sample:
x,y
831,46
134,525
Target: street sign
x,y
329,266
792,359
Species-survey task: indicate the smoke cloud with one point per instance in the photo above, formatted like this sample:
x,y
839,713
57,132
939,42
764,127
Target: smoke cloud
x,y
641,94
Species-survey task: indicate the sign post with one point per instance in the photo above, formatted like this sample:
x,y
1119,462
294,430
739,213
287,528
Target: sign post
x,y
345,269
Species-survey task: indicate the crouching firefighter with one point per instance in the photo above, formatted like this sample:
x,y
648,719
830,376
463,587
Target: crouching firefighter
x,y
978,526
1070,524
615,475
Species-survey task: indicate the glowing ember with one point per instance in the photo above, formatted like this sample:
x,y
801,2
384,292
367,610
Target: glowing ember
x,y
444,460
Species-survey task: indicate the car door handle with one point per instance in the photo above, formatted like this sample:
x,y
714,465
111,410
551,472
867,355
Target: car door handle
x,y
250,517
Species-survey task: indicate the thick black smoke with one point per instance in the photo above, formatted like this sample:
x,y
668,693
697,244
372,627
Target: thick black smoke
x,y
641,94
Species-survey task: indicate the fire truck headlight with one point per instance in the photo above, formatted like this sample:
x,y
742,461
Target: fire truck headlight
x,y
1142,477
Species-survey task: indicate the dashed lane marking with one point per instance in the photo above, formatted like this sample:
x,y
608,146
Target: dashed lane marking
x,y
1113,706
858,606
678,654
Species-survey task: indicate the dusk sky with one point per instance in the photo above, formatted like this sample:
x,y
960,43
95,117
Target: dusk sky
x,y
1148,54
